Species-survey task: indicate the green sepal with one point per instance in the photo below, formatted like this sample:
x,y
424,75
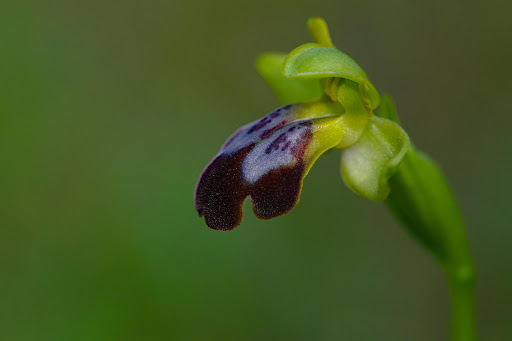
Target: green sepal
x,y
312,60
367,165
270,68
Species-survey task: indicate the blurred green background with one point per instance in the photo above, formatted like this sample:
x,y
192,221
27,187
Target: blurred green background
x,y
109,110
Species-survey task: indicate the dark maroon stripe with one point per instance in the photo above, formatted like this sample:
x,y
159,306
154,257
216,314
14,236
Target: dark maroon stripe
x,y
267,133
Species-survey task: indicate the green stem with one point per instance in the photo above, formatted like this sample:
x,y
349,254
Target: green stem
x,y
463,305
422,200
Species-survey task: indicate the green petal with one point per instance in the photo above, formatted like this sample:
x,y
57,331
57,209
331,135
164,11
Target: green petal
x,y
312,60
356,114
367,165
319,31
270,67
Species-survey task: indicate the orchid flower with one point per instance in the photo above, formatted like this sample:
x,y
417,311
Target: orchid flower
x,y
333,105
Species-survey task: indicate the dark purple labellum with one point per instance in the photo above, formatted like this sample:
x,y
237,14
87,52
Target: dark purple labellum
x,y
270,170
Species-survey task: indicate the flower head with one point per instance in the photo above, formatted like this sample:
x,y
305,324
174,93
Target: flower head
x,y
268,159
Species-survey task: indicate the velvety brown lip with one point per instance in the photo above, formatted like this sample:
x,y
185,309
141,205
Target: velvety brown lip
x,y
221,191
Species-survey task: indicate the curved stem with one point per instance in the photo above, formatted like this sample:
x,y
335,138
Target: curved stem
x,y
422,200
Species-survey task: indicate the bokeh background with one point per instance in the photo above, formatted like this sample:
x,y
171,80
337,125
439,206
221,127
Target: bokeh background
x,y
109,110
